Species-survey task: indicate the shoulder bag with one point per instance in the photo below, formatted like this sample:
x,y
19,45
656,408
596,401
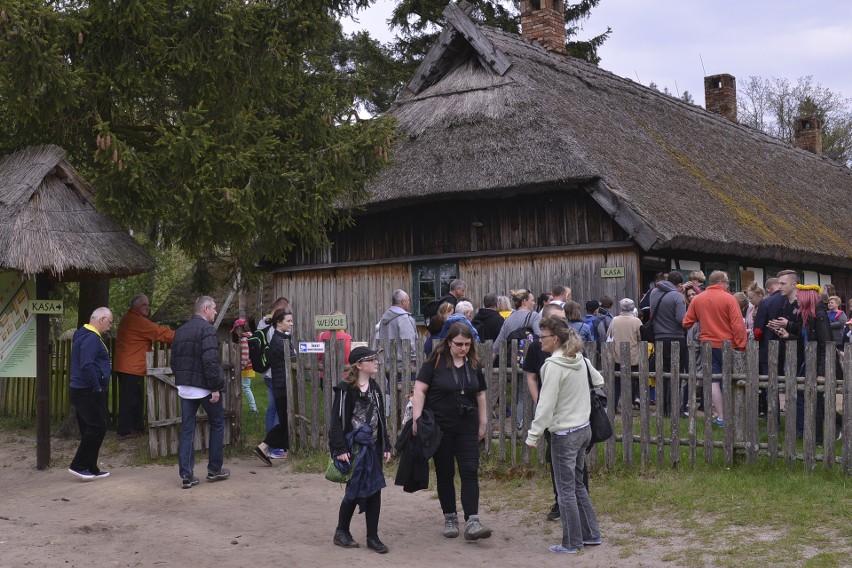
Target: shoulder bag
x,y
600,424
646,330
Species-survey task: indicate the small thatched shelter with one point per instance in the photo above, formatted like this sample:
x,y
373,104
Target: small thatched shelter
x,y
517,167
50,230
49,224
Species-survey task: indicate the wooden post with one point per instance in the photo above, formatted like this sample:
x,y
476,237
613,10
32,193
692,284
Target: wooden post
x,y
751,422
644,405
43,286
773,412
790,396
728,402
846,454
660,379
809,435
607,356
692,404
674,402
626,377
707,386
828,428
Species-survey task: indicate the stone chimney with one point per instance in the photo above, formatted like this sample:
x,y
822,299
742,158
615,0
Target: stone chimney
x,y
807,134
544,21
720,95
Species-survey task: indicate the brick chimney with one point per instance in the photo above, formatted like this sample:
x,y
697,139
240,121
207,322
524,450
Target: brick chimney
x,y
807,134
544,21
720,95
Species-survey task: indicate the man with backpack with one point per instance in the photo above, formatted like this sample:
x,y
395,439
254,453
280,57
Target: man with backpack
x,y
605,318
398,324
592,318
488,320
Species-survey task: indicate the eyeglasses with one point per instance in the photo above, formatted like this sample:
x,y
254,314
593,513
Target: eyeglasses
x,y
546,336
108,319
372,359
462,345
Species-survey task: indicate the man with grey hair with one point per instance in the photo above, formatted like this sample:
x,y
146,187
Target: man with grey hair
x,y
90,372
625,329
397,323
457,291
135,336
200,381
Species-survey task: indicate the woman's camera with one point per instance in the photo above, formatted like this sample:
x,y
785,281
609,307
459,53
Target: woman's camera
x,y
464,405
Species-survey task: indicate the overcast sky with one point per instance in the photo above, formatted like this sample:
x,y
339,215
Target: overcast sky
x,y
660,40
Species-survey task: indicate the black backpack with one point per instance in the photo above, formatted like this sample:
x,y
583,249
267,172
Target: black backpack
x,y
258,345
524,336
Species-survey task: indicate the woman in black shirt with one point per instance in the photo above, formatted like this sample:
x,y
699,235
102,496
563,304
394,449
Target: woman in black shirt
x,y
451,385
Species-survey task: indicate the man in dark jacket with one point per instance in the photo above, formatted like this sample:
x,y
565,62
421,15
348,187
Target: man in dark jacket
x,y
90,372
200,381
668,327
488,320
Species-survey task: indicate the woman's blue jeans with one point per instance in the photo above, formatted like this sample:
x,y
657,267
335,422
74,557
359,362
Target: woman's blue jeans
x,y
568,453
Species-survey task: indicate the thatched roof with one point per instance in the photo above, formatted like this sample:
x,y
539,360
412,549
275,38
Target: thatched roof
x,y
677,177
48,222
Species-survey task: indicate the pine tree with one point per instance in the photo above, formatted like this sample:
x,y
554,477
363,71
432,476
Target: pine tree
x,y
227,127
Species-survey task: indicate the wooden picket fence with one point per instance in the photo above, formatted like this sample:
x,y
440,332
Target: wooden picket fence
x,y
654,438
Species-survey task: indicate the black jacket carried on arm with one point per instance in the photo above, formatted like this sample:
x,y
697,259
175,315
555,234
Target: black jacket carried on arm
x,y
818,330
195,356
413,471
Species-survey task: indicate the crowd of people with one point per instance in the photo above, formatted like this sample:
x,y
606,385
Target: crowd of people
x,y
449,412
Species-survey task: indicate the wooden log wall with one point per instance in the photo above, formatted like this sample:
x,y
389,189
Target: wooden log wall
x,y
364,293
563,217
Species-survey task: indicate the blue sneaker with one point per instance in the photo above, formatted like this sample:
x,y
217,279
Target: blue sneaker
x,y
277,454
593,541
85,475
558,548
718,422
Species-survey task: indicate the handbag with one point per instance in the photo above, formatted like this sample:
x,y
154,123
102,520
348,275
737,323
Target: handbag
x,y
598,419
646,330
333,472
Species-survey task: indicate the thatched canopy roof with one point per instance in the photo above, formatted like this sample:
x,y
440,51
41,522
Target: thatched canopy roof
x,y
677,177
48,222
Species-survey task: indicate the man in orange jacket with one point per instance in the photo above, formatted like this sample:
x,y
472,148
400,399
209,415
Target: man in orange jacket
x,y
135,334
718,313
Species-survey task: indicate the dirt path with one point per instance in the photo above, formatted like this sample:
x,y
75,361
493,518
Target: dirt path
x,y
262,516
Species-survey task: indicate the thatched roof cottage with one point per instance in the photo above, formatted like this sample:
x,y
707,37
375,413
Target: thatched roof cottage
x,y
517,166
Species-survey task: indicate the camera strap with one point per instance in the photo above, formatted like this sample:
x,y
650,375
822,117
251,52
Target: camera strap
x,y
460,386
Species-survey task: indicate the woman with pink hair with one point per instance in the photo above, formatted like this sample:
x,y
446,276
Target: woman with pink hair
x,y
810,324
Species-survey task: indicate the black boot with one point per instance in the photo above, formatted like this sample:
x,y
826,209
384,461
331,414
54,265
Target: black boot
x,y
374,543
344,539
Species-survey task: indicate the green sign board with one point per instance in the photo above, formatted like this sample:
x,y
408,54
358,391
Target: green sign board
x,y
49,307
330,322
17,326
612,272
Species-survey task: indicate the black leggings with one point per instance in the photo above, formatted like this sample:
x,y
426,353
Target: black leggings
x,y
279,436
371,512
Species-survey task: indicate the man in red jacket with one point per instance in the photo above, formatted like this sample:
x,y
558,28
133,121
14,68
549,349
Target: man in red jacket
x,y
718,313
135,334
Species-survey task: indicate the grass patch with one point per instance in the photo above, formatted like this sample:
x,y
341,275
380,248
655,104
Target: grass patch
x,y
707,515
